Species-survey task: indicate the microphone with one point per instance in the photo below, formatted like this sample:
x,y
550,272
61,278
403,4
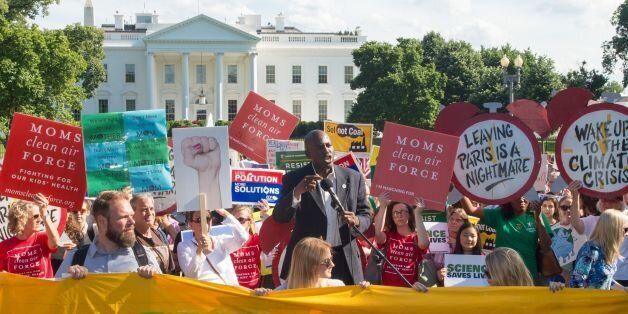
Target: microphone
x,y
327,185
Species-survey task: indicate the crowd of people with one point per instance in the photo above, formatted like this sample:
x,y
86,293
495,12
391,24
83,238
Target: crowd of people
x,y
119,232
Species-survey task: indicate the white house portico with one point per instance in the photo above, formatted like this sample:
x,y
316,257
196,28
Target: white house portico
x,y
202,68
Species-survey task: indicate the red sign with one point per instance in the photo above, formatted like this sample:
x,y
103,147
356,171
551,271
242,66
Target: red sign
x,y
348,161
45,157
415,163
257,121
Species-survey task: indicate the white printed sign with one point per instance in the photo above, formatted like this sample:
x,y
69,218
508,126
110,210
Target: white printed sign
x,y
465,270
438,234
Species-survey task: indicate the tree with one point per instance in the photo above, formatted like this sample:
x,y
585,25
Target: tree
x,y
616,49
398,87
40,70
589,79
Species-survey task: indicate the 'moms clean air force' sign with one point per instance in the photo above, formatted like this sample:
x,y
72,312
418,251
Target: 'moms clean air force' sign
x,y
498,159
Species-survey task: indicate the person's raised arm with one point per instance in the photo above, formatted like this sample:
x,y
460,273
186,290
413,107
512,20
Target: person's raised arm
x,y
471,209
53,235
422,238
240,235
380,217
576,222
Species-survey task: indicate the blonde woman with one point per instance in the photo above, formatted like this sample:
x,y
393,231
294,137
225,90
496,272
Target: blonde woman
x,y
28,251
595,263
504,267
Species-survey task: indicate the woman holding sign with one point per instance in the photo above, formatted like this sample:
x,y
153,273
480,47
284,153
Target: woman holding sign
x,y
28,251
400,231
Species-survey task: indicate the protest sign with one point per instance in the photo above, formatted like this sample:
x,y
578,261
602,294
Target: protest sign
x,y
540,184
591,148
373,160
257,121
57,215
350,137
201,163
348,161
438,235
433,216
165,201
252,164
498,159
249,186
274,146
415,163
291,160
126,149
465,270
45,157
487,235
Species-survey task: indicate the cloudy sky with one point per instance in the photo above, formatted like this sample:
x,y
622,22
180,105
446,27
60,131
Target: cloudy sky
x,y
568,31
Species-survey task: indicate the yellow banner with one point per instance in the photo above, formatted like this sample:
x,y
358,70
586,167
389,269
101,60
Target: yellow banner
x,y
128,293
350,137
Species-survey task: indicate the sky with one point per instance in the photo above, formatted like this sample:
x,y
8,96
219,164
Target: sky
x,y
568,31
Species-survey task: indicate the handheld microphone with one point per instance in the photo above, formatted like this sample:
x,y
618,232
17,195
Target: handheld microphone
x,y
327,185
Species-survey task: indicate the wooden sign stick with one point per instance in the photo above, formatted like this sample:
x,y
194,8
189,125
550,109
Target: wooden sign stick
x,y
202,198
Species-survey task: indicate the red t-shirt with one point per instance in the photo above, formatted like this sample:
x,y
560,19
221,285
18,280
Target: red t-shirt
x,y
404,253
30,257
246,262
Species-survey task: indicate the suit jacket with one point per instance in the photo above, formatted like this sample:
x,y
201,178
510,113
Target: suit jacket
x,y
311,218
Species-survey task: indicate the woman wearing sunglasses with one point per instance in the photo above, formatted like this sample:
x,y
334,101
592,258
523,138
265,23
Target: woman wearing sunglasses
x,y
206,257
247,259
567,237
28,251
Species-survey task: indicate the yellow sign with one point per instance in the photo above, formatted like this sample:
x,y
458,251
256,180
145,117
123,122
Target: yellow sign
x,y
129,293
350,137
374,154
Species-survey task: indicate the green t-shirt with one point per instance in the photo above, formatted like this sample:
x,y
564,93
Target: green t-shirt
x,y
518,233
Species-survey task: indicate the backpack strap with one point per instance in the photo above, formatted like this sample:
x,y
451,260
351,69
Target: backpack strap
x,y
80,255
140,254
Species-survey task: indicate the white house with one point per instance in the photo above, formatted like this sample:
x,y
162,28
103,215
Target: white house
x,y
191,66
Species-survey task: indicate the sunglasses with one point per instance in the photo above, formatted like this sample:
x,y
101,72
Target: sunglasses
x,y
198,220
327,262
487,274
243,220
565,207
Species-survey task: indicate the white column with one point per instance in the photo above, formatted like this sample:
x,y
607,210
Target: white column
x,y
150,79
253,71
185,104
218,87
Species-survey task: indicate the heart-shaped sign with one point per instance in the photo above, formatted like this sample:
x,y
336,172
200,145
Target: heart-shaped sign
x,y
453,116
565,104
532,114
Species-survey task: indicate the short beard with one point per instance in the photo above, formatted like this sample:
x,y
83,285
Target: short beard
x,y
122,239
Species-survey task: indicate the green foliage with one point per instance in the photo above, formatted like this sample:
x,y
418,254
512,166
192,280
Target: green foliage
x,y
613,87
616,49
304,127
39,69
589,79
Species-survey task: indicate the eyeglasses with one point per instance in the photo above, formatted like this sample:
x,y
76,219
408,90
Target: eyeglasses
x,y
327,262
487,274
198,220
565,207
36,216
243,220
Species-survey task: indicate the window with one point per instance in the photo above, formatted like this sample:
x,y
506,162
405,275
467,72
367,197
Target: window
x,y
169,73
348,74
322,74
130,105
103,105
144,19
296,74
232,109
76,114
129,73
296,108
169,109
348,106
270,74
201,114
201,71
232,74
106,73
322,110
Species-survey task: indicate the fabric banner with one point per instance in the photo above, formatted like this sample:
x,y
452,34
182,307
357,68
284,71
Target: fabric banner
x,y
58,216
126,149
465,270
44,156
201,159
249,186
438,234
129,293
259,120
291,160
415,163
350,137
274,146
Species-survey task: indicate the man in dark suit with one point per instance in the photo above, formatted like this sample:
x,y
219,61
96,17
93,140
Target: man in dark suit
x,y
303,198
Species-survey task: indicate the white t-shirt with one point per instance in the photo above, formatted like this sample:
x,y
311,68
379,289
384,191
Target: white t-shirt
x,y
589,224
566,243
622,263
